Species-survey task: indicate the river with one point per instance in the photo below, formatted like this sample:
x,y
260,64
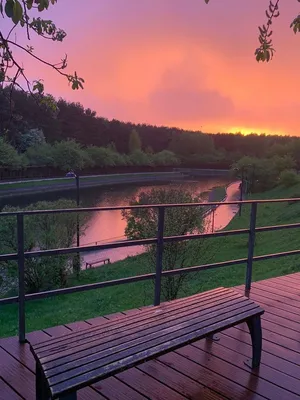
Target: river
x,y
108,226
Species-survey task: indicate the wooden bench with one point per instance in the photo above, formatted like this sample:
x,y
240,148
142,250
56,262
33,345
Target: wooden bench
x,y
103,260
71,362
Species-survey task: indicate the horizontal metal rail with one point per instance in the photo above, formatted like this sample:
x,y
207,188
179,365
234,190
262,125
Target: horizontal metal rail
x,y
137,207
140,278
159,241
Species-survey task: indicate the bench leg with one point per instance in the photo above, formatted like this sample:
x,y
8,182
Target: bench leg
x,y
254,325
214,338
40,384
71,396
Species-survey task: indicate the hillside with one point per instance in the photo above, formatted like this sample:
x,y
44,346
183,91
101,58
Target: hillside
x,y
63,309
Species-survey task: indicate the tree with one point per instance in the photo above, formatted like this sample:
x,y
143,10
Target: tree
x,y
40,155
289,178
8,155
261,174
165,157
135,143
48,231
69,155
21,13
138,157
142,223
265,51
30,138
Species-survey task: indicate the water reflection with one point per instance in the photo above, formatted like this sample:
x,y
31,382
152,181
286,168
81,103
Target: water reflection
x,y
109,226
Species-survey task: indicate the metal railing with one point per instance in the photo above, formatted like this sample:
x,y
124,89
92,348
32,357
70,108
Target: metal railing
x,y
21,256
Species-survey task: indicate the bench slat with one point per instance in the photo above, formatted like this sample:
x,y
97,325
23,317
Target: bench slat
x,y
130,319
136,331
104,335
81,358
130,358
165,335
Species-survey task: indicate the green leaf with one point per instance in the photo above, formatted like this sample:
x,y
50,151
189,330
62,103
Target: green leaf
x,y
29,4
17,12
9,8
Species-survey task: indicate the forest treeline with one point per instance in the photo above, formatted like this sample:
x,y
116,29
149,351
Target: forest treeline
x,y
72,136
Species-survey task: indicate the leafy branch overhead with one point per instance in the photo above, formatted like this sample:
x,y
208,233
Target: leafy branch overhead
x,y
265,51
20,13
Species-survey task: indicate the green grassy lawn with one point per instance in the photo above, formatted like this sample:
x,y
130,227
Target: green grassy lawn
x,y
79,306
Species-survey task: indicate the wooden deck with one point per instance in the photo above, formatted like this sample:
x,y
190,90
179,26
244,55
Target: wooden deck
x,y
204,370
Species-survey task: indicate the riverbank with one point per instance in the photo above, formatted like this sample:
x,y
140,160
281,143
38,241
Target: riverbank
x,y
8,189
80,306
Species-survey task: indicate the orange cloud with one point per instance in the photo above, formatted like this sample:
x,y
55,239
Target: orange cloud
x,y
179,63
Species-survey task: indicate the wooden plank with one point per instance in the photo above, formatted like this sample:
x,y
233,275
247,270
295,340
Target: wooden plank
x,y
37,336
282,322
284,385
282,346
21,352
57,330
162,333
17,375
96,321
114,389
290,292
6,392
120,335
134,311
65,381
275,296
259,298
245,378
149,386
89,393
232,339
270,289
287,282
114,316
208,377
142,322
295,277
149,313
77,326
177,381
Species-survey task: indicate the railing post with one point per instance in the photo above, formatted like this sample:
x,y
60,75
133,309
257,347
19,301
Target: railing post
x,y
251,244
159,254
21,269
77,203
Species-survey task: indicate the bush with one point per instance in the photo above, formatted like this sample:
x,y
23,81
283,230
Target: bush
x,y
100,156
9,156
69,155
138,157
42,155
288,178
165,158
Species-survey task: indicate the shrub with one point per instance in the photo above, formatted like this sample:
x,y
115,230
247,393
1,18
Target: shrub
x,y
289,178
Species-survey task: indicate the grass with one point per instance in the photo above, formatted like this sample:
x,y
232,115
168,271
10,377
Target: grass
x,y
80,306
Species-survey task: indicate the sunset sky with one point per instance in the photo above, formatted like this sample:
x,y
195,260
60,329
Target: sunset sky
x,y
177,62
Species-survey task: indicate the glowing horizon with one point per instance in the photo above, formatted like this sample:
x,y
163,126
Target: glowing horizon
x,y
165,63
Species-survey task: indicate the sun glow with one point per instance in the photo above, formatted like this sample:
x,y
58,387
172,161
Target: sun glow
x,y
249,131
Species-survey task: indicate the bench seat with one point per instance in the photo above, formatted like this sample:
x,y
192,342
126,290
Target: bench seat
x,y
73,361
